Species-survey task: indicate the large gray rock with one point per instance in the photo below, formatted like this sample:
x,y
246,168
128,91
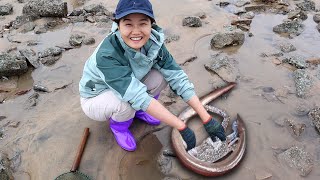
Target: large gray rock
x,y
31,57
192,21
5,170
11,65
307,5
50,56
302,82
76,39
222,39
5,9
316,18
297,158
290,27
21,20
297,14
95,8
224,67
287,47
296,61
314,115
46,8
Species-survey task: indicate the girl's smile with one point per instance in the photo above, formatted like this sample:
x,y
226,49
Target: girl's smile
x,y
135,30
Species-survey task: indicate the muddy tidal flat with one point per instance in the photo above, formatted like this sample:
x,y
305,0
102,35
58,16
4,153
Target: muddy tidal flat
x,y
270,48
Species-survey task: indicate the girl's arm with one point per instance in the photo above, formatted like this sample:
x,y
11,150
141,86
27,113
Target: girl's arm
x,y
158,111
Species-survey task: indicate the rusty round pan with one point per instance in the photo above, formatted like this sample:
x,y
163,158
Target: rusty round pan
x,y
204,168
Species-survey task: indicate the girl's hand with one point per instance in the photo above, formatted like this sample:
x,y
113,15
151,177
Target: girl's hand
x,y
189,137
214,129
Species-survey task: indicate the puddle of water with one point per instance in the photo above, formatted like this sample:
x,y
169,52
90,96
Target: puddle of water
x,y
142,163
263,72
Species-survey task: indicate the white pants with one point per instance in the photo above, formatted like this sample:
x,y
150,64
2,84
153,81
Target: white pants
x,y
107,104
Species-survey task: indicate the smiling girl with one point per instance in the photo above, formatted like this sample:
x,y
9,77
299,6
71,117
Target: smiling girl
x,y
123,78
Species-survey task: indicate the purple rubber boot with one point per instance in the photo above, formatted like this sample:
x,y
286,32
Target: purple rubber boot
x,y
147,117
123,135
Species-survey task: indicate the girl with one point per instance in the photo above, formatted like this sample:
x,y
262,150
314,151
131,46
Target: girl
x,y
124,76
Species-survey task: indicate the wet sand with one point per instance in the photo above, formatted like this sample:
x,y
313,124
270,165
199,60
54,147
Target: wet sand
x,y
44,143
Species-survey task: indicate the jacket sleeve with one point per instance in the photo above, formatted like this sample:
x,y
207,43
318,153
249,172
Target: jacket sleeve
x,y
174,75
118,77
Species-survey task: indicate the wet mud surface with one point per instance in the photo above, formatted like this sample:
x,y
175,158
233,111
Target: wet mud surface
x,y
40,131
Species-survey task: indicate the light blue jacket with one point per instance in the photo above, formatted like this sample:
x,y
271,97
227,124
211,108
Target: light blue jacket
x,y
117,67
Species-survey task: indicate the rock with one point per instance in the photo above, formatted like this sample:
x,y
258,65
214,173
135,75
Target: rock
x,y
223,3
201,15
12,65
46,8
90,19
31,57
224,67
40,29
268,89
29,26
76,39
102,19
5,169
88,41
283,2
248,15
241,21
22,1
222,39
316,18
77,12
297,158
171,38
165,164
192,21
313,61
260,7
240,3
297,14
306,5
75,19
287,47
53,51
302,82
20,20
94,8
295,129
32,43
314,115
296,61
49,60
318,27
52,24
290,27
302,109
50,56
32,100
5,9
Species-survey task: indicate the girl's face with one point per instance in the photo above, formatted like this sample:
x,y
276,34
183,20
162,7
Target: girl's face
x,y
135,30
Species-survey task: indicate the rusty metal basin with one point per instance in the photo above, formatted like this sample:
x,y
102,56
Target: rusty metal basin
x,y
204,168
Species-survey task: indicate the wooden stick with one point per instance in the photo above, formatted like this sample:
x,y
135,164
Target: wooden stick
x,y
77,159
